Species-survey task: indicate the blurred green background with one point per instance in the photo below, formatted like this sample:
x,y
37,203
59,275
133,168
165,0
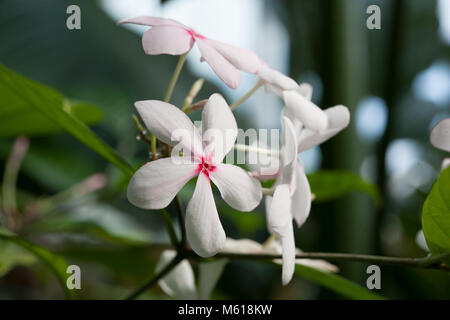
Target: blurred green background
x,y
396,82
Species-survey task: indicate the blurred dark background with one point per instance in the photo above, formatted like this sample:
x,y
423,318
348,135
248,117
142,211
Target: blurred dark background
x,y
396,82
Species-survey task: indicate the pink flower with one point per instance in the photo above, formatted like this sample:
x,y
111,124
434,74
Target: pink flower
x,y
168,36
156,183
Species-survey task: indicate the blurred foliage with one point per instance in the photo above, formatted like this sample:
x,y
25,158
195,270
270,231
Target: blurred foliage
x,y
105,65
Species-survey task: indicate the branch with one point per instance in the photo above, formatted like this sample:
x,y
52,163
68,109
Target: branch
x,y
154,280
180,212
429,262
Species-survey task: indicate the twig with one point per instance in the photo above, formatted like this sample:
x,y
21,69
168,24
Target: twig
x,y
140,130
179,206
430,262
170,228
154,280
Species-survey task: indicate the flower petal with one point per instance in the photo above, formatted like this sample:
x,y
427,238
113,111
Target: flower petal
x,y
153,21
236,187
180,282
445,163
209,274
203,228
170,125
224,69
338,119
289,142
279,210
307,112
306,90
440,135
167,40
242,246
279,221
275,80
156,183
242,59
219,128
301,199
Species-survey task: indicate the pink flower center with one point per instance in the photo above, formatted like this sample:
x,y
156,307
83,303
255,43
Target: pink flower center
x,y
206,166
194,34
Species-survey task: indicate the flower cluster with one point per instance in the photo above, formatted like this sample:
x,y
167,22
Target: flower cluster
x,y
200,152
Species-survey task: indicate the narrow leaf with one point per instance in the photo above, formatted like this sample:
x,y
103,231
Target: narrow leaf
x,y
336,283
48,102
56,263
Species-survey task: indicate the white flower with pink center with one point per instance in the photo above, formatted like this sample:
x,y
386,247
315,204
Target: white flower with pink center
x,y
156,183
168,36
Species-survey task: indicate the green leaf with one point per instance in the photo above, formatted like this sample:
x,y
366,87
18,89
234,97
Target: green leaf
x,y
53,106
436,215
17,118
329,185
56,263
336,283
12,255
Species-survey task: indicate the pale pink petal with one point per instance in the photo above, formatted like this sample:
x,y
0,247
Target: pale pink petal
x,y
236,187
242,246
440,135
180,282
167,40
224,69
170,125
307,112
279,221
219,128
338,119
153,21
289,142
242,59
275,80
203,228
301,199
209,275
156,183
306,90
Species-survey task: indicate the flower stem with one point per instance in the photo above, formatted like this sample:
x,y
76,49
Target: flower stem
x,y
9,204
179,206
246,148
267,191
247,95
170,228
154,280
140,129
175,76
168,95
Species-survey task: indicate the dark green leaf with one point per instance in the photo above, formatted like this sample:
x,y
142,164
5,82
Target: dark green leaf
x,y
436,215
58,110
336,283
56,263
